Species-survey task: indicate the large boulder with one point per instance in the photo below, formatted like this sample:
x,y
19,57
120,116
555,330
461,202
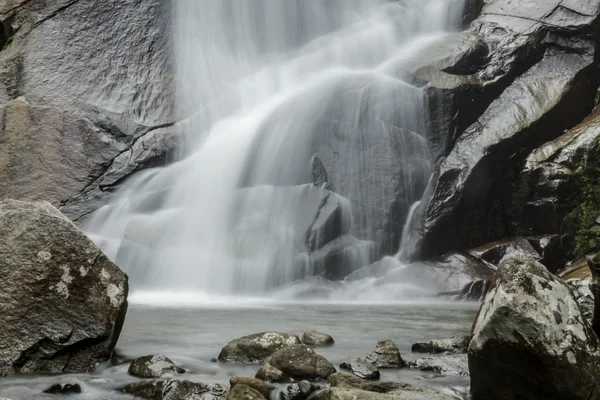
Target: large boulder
x,y
313,338
386,355
301,362
530,339
256,348
97,79
63,301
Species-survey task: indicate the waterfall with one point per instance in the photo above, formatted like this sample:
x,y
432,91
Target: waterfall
x,y
300,136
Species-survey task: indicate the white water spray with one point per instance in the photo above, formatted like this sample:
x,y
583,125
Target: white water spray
x,y
287,99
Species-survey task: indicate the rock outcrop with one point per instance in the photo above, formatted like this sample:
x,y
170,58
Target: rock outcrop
x,y
256,348
63,302
530,339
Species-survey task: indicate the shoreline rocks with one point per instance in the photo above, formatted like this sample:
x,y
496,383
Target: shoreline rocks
x,y
361,368
312,338
157,366
256,348
456,344
386,355
300,362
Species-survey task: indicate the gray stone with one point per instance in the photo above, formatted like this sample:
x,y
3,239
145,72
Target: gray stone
x,y
312,338
299,391
268,373
409,393
386,355
64,388
361,368
243,392
63,301
351,381
456,344
254,383
154,366
530,339
173,389
256,348
301,362
452,364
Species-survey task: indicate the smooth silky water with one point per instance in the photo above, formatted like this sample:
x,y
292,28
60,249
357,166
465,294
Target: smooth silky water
x,y
210,241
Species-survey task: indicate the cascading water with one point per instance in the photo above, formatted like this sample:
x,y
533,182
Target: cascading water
x,y
301,137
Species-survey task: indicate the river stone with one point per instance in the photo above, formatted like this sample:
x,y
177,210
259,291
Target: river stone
x,y
386,355
361,368
173,389
256,384
299,391
64,388
456,344
154,367
451,364
268,373
243,392
150,389
351,381
63,301
312,338
254,349
530,339
409,393
301,362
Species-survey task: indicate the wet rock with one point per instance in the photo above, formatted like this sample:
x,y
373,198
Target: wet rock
x,y
495,252
299,391
243,392
173,389
254,349
268,373
456,344
583,296
509,358
63,300
154,366
361,368
301,362
150,390
254,383
64,388
453,364
386,355
409,393
313,338
347,380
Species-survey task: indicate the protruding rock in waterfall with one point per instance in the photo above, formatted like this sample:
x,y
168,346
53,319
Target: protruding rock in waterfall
x,y
154,366
361,368
256,348
386,355
63,302
313,338
301,362
530,339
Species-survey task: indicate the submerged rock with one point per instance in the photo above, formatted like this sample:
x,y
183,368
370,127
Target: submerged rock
x,y
408,393
243,392
63,301
530,339
361,368
154,367
301,362
452,364
254,383
386,355
173,389
299,391
64,388
313,338
456,344
268,373
254,349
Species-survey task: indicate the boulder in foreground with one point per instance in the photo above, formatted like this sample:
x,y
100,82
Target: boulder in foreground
x,y
386,355
530,339
301,362
157,366
63,301
312,338
256,348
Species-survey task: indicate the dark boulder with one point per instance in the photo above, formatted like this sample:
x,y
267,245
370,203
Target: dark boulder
x,y
312,338
361,368
256,384
299,391
256,348
386,355
530,339
157,366
452,364
301,362
64,388
63,301
268,373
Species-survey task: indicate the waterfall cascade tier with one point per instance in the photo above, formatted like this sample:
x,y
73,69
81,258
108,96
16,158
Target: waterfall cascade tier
x,y
305,149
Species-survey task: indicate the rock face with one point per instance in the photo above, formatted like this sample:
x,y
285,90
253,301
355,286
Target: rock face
x,y
63,301
530,339
89,92
539,80
386,355
254,349
268,373
313,338
301,362
361,368
154,367
456,344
